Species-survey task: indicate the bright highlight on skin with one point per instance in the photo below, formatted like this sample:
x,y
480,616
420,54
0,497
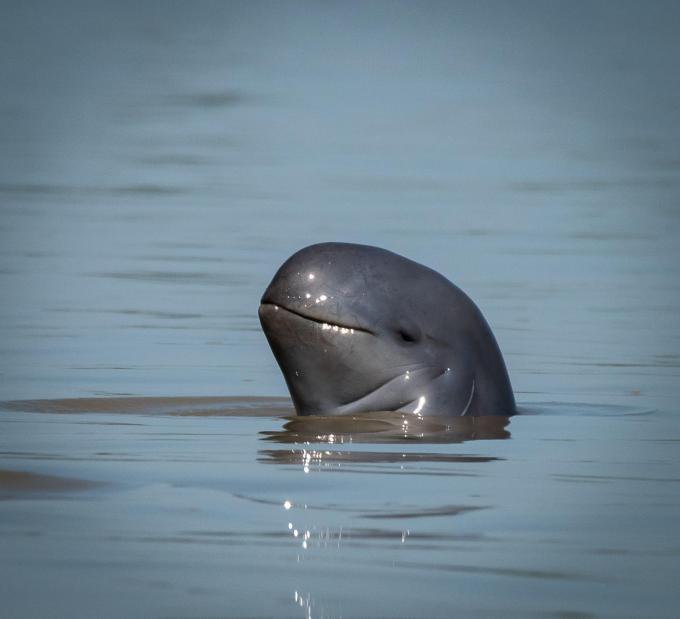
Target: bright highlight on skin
x,y
421,403
329,327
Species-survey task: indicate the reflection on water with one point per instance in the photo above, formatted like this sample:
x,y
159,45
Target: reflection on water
x,y
408,511
389,427
297,456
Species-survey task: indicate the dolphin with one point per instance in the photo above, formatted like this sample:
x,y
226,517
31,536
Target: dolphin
x,y
358,329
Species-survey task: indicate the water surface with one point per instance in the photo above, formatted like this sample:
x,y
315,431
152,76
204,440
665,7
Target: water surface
x,y
157,164
242,510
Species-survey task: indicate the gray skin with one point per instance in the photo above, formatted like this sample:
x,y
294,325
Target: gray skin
x,y
356,329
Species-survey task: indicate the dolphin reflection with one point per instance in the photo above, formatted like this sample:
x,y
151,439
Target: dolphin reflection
x,y
389,427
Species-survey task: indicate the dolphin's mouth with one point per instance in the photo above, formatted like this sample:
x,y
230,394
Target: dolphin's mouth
x,y
326,325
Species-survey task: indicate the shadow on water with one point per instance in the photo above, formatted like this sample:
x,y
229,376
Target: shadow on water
x,y
190,406
15,484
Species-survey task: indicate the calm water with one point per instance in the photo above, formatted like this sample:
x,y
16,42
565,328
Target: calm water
x,y
158,163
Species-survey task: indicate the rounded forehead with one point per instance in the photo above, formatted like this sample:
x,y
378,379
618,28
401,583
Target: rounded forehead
x,y
348,261
371,277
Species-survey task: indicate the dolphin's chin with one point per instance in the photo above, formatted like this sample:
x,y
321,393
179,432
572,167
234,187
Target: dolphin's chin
x,y
319,359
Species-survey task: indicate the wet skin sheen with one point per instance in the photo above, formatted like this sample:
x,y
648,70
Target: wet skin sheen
x,y
356,328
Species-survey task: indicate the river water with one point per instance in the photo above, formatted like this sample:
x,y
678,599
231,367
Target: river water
x,y
159,162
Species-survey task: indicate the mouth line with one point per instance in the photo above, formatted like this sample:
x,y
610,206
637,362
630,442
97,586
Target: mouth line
x,y
325,324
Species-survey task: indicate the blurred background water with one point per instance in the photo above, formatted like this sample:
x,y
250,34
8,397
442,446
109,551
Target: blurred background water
x,y
159,160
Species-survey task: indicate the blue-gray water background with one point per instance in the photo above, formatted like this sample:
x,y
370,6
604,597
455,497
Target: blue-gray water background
x,y
158,161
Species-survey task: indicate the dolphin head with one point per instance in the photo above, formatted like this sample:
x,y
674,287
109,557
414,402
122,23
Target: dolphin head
x,y
356,328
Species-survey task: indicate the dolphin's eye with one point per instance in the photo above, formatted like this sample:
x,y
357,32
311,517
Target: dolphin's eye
x,y
408,335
